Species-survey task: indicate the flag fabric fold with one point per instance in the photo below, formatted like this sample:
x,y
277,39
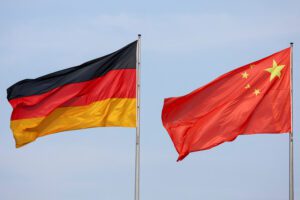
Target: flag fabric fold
x,y
101,92
252,99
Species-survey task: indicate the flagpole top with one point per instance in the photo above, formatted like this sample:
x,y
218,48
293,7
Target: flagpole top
x,y
291,43
139,35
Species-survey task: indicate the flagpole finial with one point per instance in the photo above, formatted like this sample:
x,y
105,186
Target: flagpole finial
x,y
139,35
291,43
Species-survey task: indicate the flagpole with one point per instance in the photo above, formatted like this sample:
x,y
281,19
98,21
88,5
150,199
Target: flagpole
x,y
137,144
291,142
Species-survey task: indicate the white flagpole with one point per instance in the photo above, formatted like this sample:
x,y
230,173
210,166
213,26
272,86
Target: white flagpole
x,y
137,144
291,142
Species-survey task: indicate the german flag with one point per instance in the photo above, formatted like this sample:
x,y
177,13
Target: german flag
x,y
98,93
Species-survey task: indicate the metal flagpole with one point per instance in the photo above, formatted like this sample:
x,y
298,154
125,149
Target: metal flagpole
x,y
137,144
291,142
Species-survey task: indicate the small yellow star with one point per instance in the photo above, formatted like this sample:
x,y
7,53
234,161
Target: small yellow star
x,y
247,86
245,75
252,66
256,92
275,70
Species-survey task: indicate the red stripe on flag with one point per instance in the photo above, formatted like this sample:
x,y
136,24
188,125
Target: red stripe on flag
x,y
115,84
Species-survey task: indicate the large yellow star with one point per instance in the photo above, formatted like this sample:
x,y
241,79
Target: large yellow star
x,y
275,70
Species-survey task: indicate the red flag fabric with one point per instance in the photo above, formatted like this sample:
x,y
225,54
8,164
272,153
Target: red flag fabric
x,y
252,99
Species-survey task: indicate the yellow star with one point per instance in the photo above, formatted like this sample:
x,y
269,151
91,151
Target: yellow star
x,y
256,92
275,70
245,75
252,66
247,86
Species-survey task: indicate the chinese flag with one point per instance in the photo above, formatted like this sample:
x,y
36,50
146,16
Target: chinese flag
x,y
252,99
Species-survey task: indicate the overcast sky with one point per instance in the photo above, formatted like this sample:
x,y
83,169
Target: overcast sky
x,y
185,44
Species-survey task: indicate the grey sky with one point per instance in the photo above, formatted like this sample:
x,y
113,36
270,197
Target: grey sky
x,y
185,44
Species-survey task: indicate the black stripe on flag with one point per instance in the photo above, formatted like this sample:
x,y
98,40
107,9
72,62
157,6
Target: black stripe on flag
x,y
124,58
